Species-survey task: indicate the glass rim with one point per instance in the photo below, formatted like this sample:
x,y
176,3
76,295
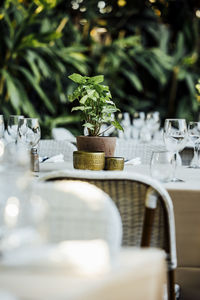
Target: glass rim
x,y
19,116
160,151
193,122
175,119
27,119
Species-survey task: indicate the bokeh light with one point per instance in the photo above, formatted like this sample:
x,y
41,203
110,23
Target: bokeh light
x,y
198,13
11,211
121,3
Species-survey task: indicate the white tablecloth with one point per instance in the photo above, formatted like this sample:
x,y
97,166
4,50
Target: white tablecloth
x,y
190,176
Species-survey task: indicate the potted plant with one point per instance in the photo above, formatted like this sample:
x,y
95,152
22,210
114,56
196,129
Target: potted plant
x,y
96,108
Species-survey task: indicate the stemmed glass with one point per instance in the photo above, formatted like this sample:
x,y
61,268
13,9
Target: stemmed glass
x,y
124,120
175,138
20,213
153,122
194,135
12,127
29,132
138,123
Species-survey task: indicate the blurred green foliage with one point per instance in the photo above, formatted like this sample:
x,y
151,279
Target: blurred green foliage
x,y
148,52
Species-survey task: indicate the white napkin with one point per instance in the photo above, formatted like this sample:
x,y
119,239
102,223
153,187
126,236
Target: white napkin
x,y
135,161
55,158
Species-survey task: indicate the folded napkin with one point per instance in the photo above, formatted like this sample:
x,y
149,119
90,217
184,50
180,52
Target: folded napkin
x,y
53,159
135,161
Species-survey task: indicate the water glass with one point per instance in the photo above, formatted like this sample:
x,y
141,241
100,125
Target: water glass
x,y
161,167
153,122
175,137
138,124
12,127
29,132
194,135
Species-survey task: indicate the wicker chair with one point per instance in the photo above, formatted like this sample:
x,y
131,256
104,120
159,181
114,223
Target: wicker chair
x,y
80,211
54,147
145,207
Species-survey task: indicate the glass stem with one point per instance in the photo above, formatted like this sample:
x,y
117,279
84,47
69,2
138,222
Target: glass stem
x,y
196,147
174,162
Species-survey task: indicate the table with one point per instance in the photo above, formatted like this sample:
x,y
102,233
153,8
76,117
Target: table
x,y
139,274
186,201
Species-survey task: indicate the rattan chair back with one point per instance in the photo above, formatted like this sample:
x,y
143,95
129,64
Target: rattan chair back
x,y
79,211
129,192
145,207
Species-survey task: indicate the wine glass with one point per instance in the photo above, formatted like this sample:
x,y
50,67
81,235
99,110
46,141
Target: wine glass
x,y
29,132
175,138
194,135
138,123
2,127
12,127
19,211
161,166
124,120
153,122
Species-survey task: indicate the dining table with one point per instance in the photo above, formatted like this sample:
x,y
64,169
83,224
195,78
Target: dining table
x,y
186,201
185,196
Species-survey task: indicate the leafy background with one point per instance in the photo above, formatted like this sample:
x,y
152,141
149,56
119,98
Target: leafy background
x,y
148,52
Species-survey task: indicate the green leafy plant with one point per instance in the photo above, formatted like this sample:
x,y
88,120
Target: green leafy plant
x,y
34,56
95,103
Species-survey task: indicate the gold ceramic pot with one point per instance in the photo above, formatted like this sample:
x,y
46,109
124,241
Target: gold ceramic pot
x,y
89,160
114,163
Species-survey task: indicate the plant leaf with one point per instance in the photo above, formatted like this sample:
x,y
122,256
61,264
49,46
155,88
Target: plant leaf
x,y
97,79
12,89
117,125
89,125
134,80
82,108
83,99
77,78
37,87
